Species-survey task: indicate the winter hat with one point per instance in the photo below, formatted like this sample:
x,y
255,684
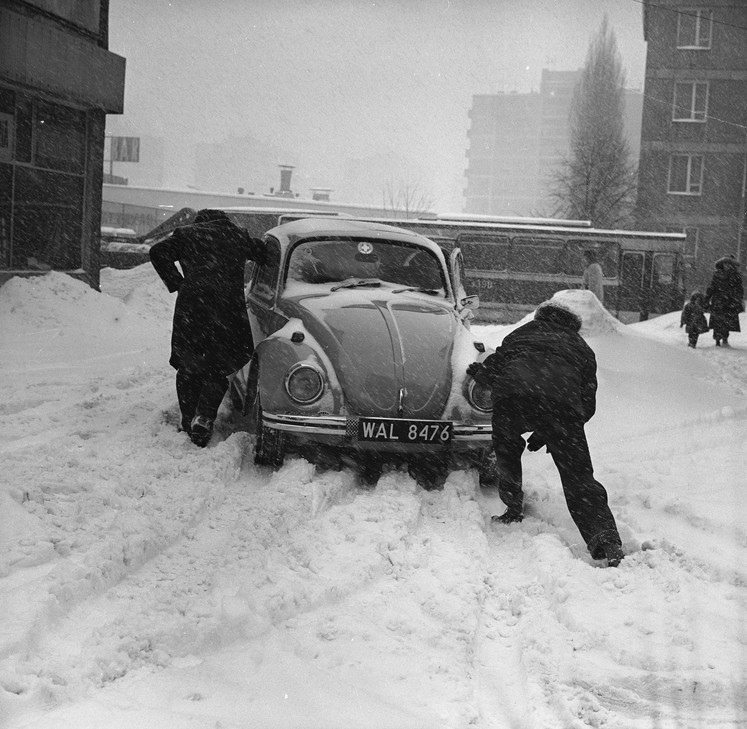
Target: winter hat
x,y
208,216
557,314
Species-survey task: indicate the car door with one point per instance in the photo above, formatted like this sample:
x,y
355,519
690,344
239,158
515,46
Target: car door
x,y
262,294
465,304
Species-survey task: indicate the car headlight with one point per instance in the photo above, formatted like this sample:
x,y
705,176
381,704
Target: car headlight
x,y
480,397
304,383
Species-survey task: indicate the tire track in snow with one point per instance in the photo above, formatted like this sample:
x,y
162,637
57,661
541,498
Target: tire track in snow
x,y
564,644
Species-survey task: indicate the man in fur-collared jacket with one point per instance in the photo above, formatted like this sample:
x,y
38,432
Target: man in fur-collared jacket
x,y
543,380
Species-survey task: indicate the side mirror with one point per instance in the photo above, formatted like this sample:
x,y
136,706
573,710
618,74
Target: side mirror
x,y
470,302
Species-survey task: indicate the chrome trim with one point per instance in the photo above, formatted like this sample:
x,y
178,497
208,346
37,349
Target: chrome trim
x,y
292,371
341,425
471,398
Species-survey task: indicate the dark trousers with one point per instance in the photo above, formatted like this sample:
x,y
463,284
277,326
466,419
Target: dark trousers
x,y
693,338
563,432
200,392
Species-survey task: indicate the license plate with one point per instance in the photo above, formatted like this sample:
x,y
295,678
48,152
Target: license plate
x,y
404,431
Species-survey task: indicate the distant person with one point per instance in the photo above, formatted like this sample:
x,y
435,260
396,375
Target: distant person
x,y
724,298
593,275
693,318
543,380
211,337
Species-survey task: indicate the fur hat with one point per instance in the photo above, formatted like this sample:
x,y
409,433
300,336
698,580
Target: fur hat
x,y
558,314
208,216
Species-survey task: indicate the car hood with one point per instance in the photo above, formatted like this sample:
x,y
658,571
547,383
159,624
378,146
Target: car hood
x,y
391,352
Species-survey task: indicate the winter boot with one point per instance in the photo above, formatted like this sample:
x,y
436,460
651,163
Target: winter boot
x,y
614,554
200,430
512,515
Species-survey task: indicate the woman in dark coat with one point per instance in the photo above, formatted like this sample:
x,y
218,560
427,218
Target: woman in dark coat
x,y
211,337
725,299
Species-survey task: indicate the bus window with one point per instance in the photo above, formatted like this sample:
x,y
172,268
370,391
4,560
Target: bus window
x,y
534,255
607,255
662,273
570,260
484,253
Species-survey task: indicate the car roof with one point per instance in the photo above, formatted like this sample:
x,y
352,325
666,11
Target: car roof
x,y
321,226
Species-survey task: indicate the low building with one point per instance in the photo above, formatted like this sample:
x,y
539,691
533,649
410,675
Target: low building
x,y
58,81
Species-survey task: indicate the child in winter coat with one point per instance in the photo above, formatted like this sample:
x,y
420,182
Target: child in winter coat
x,y
693,318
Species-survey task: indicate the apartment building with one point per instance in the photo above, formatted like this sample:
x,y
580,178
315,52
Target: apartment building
x,y
693,160
517,141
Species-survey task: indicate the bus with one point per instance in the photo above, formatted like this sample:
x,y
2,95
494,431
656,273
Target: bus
x,y
514,264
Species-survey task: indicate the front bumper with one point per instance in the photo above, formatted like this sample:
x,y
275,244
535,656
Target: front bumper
x,y
343,430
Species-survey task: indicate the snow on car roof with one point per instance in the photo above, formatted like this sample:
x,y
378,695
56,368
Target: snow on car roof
x,y
319,226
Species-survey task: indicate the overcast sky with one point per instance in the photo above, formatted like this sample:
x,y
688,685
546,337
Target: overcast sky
x,y
327,81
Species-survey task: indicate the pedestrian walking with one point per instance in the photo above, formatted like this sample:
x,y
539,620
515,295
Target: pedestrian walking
x,y
211,337
543,380
724,298
693,318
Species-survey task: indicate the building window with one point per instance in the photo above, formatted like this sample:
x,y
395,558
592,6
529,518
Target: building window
x,y
690,101
685,174
694,28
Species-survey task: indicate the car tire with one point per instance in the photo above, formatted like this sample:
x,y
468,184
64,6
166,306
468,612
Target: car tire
x,y
429,473
488,471
269,444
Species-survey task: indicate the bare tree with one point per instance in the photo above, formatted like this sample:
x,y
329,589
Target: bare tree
x,y
597,179
405,197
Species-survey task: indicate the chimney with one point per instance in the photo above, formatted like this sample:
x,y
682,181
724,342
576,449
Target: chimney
x,y
285,179
321,193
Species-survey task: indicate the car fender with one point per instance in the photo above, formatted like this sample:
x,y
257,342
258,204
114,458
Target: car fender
x,y
289,346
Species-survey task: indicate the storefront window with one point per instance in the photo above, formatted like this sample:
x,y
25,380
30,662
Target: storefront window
x,y
47,227
24,114
6,193
59,138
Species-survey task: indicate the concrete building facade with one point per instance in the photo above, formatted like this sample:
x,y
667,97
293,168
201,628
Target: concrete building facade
x,y
57,83
516,141
693,158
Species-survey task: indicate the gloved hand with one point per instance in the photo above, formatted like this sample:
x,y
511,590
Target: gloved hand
x,y
479,373
536,441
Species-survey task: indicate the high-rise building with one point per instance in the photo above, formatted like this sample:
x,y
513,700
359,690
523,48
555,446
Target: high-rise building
x,y
694,132
516,142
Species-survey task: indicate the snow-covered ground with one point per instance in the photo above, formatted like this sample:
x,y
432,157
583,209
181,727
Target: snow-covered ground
x,y
145,582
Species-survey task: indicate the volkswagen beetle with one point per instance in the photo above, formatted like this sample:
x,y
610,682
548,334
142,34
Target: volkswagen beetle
x,y
362,344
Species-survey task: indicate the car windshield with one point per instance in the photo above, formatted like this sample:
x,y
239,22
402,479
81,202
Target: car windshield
x,y
341,260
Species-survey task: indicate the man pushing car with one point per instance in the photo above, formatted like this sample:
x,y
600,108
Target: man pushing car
x,y
543,380
211,337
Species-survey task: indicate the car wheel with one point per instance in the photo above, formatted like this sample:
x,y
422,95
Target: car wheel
x,y
429,473
488,471
269,444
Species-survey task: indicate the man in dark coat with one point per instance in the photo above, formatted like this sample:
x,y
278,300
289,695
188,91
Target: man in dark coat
x,y
543,380
725,299
211,337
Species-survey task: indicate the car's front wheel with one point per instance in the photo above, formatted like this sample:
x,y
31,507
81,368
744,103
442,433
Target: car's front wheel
x,y
269,444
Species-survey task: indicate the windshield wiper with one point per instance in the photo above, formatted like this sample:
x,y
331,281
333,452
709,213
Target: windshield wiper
x,y
432,292
356,284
